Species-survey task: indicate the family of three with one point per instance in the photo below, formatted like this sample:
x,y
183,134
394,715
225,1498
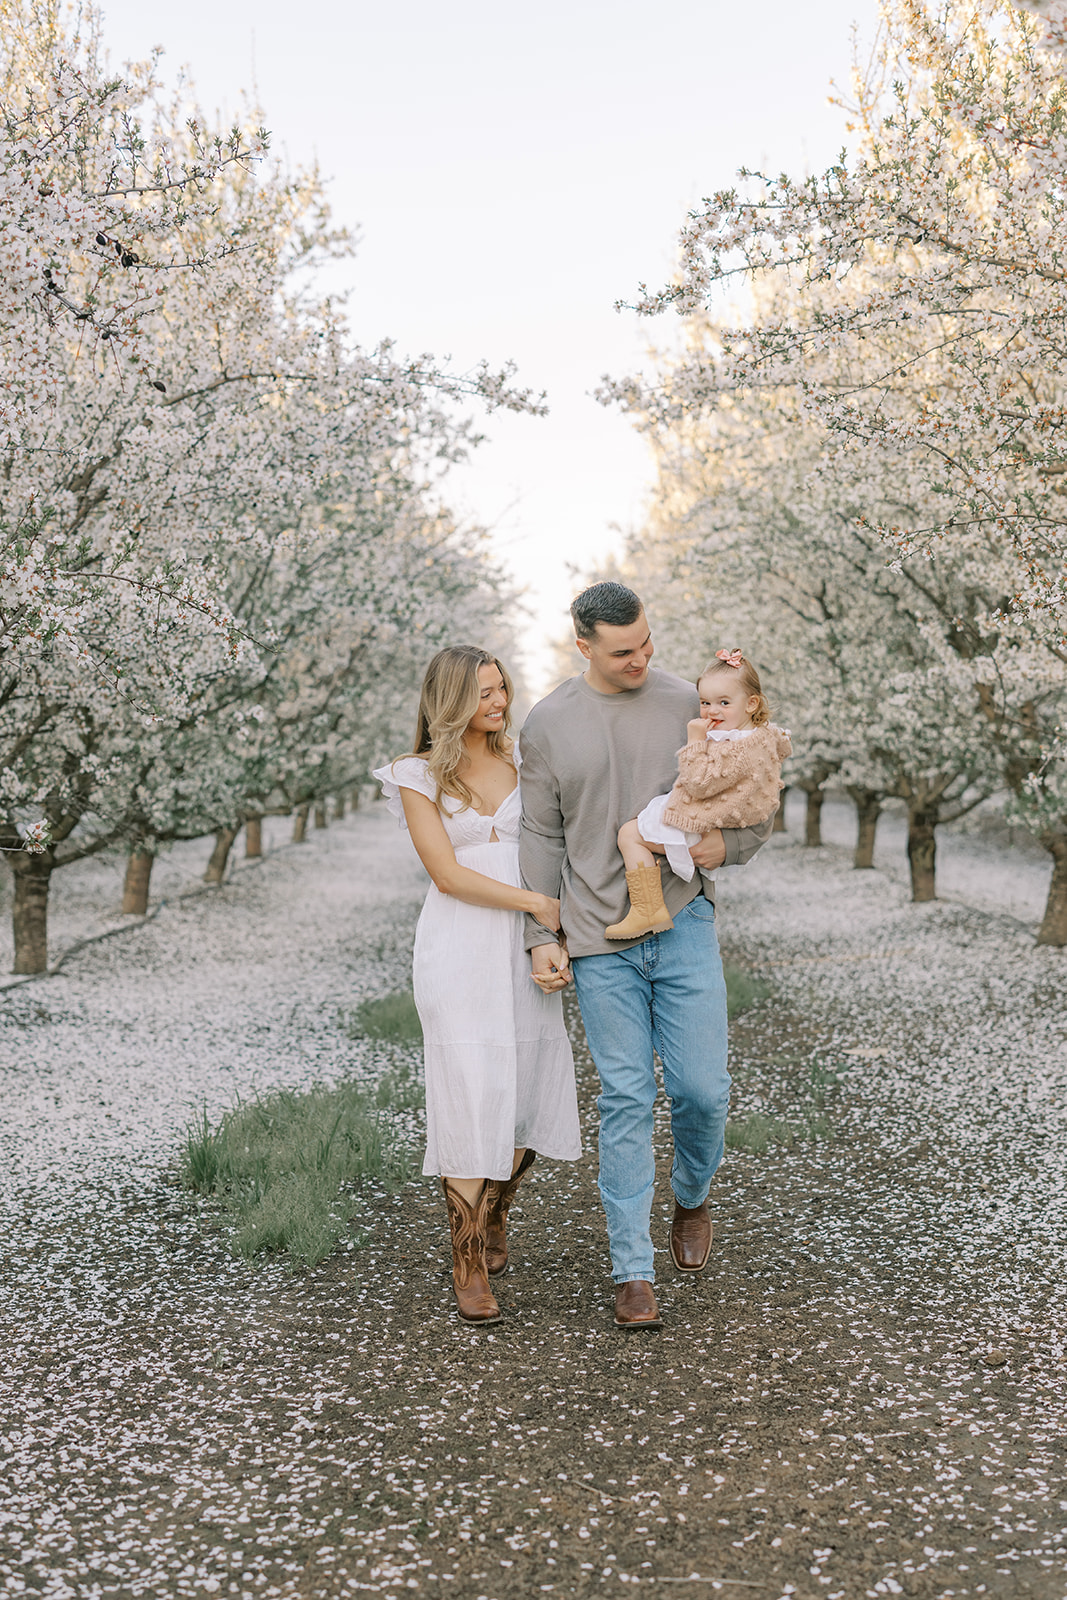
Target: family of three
x,y
586,853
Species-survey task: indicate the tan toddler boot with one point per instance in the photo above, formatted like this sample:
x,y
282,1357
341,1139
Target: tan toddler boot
x,y
648,913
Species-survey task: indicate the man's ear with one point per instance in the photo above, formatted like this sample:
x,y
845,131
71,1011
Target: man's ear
x,y
583,647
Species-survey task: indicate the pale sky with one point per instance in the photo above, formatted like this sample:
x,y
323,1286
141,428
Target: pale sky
x,y
513,171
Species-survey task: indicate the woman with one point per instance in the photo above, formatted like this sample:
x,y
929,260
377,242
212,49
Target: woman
x,y
499,1070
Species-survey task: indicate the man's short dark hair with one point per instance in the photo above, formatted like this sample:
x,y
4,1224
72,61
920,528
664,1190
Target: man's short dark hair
x,y
612,603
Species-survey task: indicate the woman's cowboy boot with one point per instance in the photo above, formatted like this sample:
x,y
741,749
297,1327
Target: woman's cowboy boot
x,y
470,1284
501,1194
648,913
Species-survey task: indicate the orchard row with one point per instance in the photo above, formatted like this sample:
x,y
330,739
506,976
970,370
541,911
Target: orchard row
x,y
862,477
224,551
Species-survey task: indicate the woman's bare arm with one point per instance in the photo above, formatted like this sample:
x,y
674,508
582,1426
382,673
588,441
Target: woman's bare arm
x,y
474,888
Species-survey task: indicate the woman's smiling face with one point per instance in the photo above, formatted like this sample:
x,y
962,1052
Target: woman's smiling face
x,y
493,701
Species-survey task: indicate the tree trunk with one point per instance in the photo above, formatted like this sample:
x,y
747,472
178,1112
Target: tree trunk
x,y
778,826
321,819
813,817
300,824
216,867
1053,929
338,807
138,877
353,799
253,837
868,803
922,850
33,877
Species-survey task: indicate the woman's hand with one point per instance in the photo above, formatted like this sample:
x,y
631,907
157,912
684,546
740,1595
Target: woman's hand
x,y
551,967
544,910
696,730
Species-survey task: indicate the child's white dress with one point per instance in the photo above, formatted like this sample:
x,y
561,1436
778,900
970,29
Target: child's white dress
x,y
499,1069
676,841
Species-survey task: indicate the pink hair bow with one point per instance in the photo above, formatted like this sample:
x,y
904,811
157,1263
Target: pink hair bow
x,y
733,658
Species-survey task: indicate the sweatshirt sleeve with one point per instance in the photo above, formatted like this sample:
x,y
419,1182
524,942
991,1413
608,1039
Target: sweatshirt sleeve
x,y
742,843
542,847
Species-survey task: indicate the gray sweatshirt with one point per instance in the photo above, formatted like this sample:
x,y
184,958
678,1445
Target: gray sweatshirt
x,y
590,762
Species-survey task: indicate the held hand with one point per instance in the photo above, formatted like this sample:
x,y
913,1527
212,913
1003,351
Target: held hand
x,y
709,851
551,967
696,730
545,910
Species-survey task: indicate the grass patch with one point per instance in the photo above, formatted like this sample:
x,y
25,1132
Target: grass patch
x,y
288,1168
393,1019
742,990
757,1131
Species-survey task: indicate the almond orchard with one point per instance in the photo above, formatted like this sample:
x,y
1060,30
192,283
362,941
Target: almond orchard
x,y
861,470
225,553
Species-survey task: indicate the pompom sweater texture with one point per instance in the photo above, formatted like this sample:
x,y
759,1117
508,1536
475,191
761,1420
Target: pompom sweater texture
x,y
730,783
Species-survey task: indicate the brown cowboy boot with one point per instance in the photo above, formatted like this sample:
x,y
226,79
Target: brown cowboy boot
x,y
470,1285
501,1194
648,912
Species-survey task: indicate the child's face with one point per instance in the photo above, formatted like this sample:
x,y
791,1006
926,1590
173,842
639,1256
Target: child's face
x,y
724,703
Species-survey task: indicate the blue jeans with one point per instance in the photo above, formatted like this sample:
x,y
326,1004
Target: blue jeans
x,y
665,994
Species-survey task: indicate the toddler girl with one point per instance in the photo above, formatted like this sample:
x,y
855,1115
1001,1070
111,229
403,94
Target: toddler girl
x,y
728,777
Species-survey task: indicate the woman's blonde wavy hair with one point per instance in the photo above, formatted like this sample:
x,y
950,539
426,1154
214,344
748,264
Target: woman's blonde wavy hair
x,y
450,697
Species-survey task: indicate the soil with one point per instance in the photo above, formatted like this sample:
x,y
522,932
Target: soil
x,y
863,1394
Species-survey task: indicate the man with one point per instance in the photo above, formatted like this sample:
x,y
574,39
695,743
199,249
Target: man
x,y
594,753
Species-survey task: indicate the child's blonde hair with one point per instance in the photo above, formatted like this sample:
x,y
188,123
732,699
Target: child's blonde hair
x,y
734,661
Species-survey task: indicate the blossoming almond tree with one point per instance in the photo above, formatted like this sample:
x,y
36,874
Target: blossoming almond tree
x,y
162,444
921,316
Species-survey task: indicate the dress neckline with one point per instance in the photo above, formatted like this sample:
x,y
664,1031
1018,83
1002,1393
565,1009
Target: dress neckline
x,y
488,816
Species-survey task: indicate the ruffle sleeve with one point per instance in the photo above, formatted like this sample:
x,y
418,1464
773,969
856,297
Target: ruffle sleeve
x,y
407,773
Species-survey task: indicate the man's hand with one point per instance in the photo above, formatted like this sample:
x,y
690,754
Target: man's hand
x,y
709,851
551,967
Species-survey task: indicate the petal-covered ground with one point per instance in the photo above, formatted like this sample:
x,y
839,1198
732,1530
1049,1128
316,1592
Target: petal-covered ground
x,y
865,1394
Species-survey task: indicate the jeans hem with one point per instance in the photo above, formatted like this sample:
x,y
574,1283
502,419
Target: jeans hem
x,y
634,1277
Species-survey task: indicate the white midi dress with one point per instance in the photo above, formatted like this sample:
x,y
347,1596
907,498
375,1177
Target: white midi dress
x,y
499,1069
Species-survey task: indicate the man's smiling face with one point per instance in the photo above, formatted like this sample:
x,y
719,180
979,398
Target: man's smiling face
x,y
618,657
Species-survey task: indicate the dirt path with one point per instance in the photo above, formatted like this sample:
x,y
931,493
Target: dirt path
x,y
864,1395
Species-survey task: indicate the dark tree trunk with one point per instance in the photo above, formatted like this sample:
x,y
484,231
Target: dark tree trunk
x,y
321,819
33,878
216,867
778,826
253,837
300,823
138,877
338,807
353,799
922,850
868,803
1053,929
813,817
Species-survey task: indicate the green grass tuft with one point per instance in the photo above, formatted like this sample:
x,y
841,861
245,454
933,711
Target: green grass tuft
x,y
288,1168
757,1131
392,1019
742,990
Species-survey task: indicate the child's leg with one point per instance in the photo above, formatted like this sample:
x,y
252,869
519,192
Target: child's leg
x,y
633,849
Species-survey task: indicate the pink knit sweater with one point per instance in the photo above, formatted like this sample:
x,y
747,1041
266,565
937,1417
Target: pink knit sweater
x,y
728,783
